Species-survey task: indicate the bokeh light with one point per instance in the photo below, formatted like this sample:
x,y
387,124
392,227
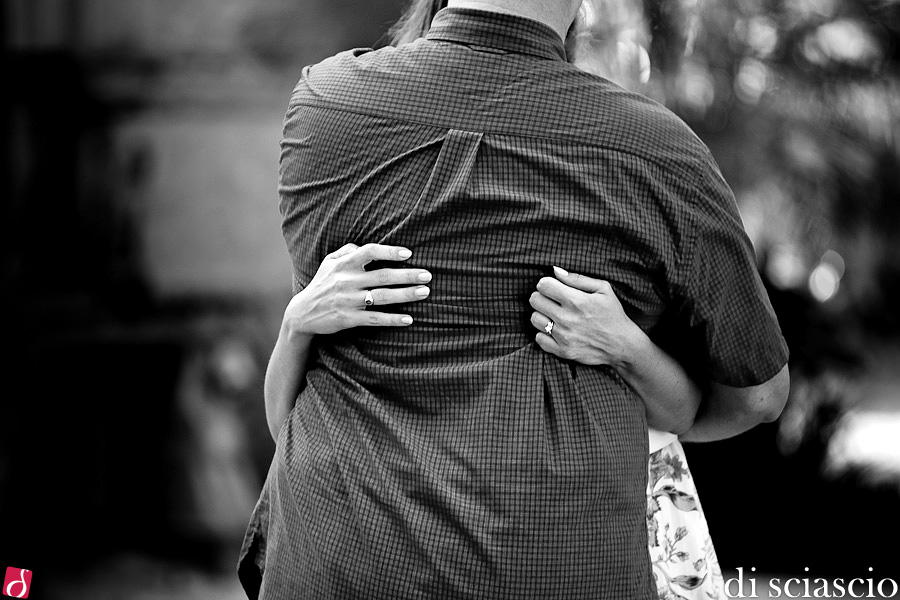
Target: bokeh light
x,y
842,41
785,268
824,281
751,81
869,441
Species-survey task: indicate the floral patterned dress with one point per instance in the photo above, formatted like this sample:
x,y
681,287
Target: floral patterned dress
x,y
681,551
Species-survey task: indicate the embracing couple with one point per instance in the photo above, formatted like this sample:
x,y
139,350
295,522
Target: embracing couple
x,y
506,270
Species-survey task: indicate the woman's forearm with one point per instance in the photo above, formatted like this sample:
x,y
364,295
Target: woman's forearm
x,y
285,375
728,411
671,397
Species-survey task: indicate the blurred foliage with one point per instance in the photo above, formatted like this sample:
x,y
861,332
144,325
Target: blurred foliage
x,y
800,102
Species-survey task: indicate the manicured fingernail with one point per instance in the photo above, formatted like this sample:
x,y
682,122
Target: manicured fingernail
x,y
422,291
404,253
426,277
560,272
406,320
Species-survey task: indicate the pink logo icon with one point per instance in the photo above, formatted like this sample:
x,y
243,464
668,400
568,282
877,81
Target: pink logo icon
x,y
17,582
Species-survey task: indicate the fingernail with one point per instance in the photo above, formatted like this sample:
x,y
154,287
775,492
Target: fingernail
x,y
406,320
426,277
560,271
422,291
404,253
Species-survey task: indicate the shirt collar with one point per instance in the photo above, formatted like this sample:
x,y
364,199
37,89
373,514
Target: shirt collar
x,y
508,33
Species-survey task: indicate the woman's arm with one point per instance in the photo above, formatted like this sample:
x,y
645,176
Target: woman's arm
x,y
285,375
334,300
672,398
590,327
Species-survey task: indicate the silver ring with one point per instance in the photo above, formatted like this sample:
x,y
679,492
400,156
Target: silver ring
x,y
549,328
369,299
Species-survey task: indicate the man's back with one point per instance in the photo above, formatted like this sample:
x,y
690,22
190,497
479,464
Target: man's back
x,y
454,458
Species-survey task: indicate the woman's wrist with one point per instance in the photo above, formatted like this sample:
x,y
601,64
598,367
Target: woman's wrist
x,y
635,349
294,324
295,331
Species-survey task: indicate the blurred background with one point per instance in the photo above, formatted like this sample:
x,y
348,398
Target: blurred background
x,y
143,271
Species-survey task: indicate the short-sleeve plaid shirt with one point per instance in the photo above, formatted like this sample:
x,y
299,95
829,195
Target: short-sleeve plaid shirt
x,y
454,458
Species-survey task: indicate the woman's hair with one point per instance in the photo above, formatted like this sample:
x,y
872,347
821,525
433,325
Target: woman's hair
x,y
416,21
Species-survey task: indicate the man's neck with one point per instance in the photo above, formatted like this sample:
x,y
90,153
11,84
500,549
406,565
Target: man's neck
x,y
559,17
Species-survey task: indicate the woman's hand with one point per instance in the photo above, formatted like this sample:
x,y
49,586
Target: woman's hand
x,y
337,296
589,324
336,299
590,327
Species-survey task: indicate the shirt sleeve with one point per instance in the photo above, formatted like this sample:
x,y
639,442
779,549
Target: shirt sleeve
x,y
731,326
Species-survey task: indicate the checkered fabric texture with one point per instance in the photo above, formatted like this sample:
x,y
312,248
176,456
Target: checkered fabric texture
x,y
454,458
